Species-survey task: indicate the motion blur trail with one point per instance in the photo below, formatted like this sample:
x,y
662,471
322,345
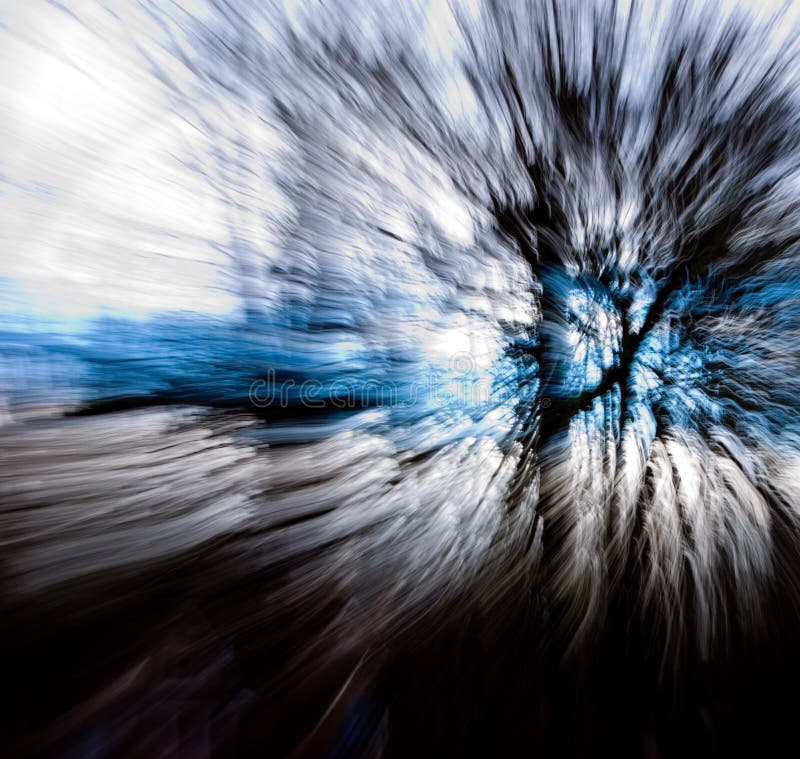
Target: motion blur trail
x,y
387,379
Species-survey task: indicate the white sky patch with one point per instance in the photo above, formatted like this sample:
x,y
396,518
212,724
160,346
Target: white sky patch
x,y
463,347
451,215
100,210
459,97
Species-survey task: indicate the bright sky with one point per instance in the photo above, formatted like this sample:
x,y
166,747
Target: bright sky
x,y
98,208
